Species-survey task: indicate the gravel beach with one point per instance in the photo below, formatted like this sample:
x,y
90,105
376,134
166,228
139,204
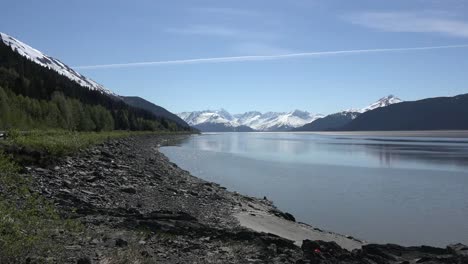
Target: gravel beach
x,y
135,204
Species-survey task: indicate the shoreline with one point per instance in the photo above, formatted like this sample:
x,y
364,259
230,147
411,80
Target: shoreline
x,y
261,215
133,199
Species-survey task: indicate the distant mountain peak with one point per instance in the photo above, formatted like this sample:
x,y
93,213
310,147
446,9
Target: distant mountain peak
x,y
43,60
299,112
382,102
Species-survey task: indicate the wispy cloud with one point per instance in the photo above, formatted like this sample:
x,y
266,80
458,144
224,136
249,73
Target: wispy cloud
x,y
265,57
424,22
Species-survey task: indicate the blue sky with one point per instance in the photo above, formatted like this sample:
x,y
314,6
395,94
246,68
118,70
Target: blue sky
x,y
90,33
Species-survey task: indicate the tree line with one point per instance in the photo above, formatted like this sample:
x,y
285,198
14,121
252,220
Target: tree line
x,y
20,112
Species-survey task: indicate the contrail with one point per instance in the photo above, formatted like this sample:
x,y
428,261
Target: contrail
x,y
263,57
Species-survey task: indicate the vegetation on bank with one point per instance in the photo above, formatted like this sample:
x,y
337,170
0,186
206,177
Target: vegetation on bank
x,y
29,224
47,114
61,142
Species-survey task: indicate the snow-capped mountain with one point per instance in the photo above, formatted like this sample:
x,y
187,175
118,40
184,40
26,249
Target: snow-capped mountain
x,y
340,119
273,121
221,120
208,116
270,121
382,102
51,63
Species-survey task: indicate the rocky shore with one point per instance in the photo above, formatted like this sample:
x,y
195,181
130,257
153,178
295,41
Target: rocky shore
x,y
138,207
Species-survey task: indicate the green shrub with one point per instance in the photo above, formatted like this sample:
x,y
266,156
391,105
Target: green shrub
x,y
28,223
61,142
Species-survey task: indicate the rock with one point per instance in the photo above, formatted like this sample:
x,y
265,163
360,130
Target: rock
x,y
87,192
67,183
84,260
81,173
120,242
458,249
42,171
106,154
91,179
65,191
145,254
128,189
172,190
322,252
73,247
284,215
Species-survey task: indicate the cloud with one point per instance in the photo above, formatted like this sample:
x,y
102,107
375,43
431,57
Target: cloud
x,y
424,22
264,57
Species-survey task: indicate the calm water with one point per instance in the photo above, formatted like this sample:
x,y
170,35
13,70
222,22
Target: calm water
x,y
406,190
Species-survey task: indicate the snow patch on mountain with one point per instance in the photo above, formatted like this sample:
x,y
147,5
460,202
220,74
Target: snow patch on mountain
x,y
270,121
40,58
208,116
274,121
382,102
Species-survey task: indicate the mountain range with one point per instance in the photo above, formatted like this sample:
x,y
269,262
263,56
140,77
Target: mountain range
x,y
222,120
40,91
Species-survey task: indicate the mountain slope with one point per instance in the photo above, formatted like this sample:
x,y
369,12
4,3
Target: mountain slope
x,y
208,116
220,127
382,102
157,110
51,63
330,122
338,120
40,92
440,113
274,121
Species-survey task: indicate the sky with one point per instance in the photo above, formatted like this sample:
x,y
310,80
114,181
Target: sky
x,y
322,56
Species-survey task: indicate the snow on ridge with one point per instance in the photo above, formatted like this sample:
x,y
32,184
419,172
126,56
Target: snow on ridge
x,y
273,121
259,121
43,60
382,102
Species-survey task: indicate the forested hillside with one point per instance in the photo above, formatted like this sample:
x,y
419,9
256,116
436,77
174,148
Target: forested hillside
x,y
33,96
439,113
157,110
329,122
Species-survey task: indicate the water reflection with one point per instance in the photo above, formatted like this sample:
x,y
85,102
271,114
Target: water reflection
x,y
440,153
401,190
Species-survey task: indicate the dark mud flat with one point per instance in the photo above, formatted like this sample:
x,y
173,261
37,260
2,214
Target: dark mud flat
x,y
138,207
